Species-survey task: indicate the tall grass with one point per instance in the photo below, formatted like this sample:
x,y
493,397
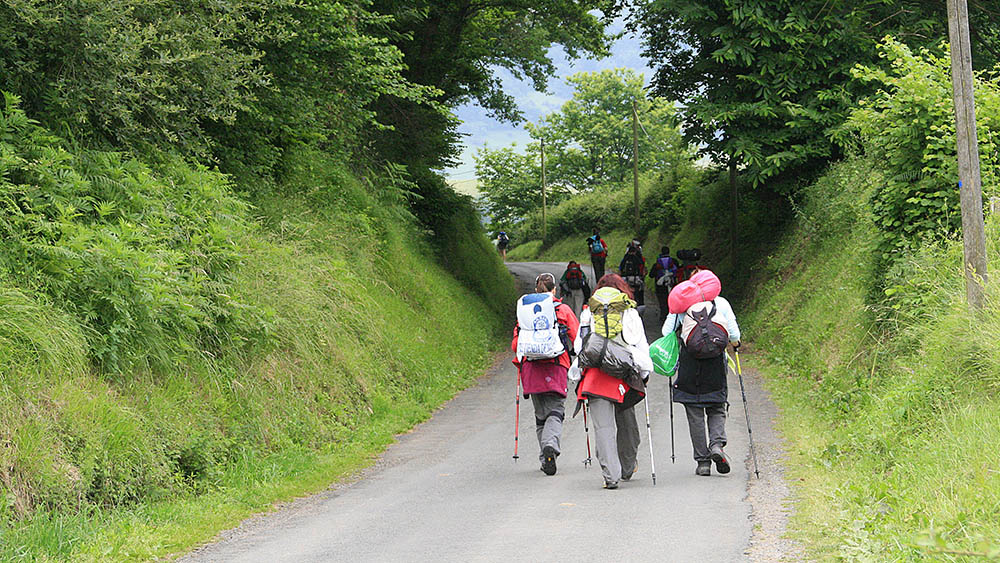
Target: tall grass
x,y
889,407
335,327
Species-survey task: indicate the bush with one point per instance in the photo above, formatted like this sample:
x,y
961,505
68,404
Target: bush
x,y
140,257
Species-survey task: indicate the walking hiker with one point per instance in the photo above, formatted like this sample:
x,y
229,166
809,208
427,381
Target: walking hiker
x,y
502,241
598,253
704,322
664,273
633,269
574,289
543,341
614,364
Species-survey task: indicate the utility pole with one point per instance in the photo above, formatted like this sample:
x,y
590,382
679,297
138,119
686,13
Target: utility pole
x,y
635,162
544,222
969,180
734,235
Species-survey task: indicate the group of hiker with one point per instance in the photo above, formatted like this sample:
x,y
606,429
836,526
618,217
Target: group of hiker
x,y
595,340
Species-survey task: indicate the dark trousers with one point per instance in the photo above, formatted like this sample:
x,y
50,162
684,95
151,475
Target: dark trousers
x,y
598,263
662,292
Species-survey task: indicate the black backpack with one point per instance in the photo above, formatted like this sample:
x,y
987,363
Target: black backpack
x,y
632,265
707,339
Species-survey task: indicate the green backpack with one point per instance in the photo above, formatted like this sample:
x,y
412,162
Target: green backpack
x,y
607,305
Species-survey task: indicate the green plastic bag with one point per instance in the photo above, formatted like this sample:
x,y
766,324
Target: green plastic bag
x,y
664,353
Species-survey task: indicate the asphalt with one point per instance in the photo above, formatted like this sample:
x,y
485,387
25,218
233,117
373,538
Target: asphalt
x,y
450,491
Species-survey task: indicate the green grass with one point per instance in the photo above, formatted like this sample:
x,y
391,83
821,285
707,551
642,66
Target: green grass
x,y
356,333
889,411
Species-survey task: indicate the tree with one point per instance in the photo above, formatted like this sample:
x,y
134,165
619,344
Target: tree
x,y
589,140
510,183
766,82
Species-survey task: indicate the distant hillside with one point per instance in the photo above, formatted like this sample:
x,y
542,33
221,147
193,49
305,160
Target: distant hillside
x,y
466,187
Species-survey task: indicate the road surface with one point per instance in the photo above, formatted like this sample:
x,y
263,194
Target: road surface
x,y
450,491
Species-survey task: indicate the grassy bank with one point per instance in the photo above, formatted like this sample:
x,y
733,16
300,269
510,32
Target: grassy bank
x,y
889,409
173,359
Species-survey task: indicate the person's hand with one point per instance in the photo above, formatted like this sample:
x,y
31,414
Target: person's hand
x,y
575,372
736,346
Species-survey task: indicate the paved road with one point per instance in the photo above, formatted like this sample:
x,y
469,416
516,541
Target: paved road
x,y
449,491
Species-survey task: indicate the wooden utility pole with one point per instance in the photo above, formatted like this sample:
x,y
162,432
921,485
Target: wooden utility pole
x,y
735,233
635,162
544,222
969,180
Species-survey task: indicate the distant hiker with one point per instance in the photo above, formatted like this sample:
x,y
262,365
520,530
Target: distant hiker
x,y
690,264
598,253
613,361
704,322
633,269
574,287
543,341
502,241
664,273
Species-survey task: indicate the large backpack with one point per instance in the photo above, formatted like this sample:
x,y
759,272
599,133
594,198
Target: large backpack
x,y
607,305
703,331
595,245
574,277
538,329
632,265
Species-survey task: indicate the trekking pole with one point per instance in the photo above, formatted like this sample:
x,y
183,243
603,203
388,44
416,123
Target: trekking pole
x,y
649,435
517,411
673,458
586,429
753,451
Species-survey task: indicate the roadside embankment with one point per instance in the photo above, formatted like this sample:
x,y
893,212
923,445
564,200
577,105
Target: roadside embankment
x,y
173,359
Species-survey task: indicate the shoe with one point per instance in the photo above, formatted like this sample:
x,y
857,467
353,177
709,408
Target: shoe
x,y
719,457
611,484
549,460
704,468
628,476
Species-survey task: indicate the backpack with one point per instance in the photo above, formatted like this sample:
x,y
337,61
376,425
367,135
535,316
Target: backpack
x,y
503,238
539,335
595,245
607,305
574,277
703,331
632,265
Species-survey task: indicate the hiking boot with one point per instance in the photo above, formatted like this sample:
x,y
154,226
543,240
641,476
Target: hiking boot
x,y
719,457
628,476
549,460
611,484
704,468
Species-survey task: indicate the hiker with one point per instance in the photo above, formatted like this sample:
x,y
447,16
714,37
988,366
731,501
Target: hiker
x,y
633,269
574,289
704,322
611,311
543,374
598,253
689,264
502,241
664,273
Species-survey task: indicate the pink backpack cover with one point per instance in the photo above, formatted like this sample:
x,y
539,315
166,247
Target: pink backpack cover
x,y
703,286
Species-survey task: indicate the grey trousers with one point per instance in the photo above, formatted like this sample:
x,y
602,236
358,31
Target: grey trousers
x,y
617,438
574,299
716,414
550,408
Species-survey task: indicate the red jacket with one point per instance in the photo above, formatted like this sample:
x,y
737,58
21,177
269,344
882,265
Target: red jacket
x,y
597,383
564,315
604,252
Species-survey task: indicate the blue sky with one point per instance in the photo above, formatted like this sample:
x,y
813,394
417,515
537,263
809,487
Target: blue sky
x,y
482,130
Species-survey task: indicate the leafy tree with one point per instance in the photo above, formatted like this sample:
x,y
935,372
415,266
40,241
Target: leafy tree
x,y
511,184
589,140
765,82
456,46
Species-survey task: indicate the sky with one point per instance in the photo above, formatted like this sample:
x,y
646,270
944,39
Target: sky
x,y
482,130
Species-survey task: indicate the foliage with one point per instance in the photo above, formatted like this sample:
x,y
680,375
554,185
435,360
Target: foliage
x,y
764,82
588,146
141,258
886,421
458,47
908,126
589,140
